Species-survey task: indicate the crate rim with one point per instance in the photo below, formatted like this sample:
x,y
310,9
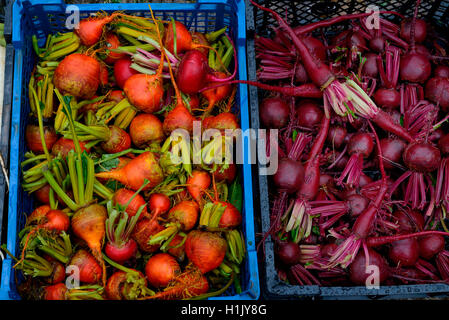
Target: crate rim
x,y
253,290
270,284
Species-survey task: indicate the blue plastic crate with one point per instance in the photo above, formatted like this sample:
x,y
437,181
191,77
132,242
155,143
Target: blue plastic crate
x,y
43,17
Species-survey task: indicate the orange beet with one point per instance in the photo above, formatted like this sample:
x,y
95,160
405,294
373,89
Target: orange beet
x,y
112,42
118,141
161,269
133,174
179,117
33,138
217,94
144,229
90,29
183,38
146,129
145,92
88,223
206,250
55,292
122,196
197,183
225,120
78,74
89,269
231,217
185,213
63,146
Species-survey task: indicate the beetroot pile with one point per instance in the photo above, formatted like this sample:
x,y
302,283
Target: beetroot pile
x,y
363,176
115,216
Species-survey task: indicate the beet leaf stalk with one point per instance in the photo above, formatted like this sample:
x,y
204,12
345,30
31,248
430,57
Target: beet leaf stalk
x,y
347,251
346,98
300,221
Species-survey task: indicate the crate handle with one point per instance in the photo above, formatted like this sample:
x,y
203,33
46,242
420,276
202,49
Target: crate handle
x,y
24,3
217,1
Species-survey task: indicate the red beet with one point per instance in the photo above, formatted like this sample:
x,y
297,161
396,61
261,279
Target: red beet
x,y
421,157
392,150
328,249
415,66
274,113
192,72
288,252
123,70
437,91
387,98
357,270
309,113
289,175
420,30
364,180
405,252
123,253
370,68
409,221
357,204
430,245
377,44
441,71
316,47
301,76
336,136
443,144
361,143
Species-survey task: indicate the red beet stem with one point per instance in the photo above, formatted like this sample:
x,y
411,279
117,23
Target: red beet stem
x,y
301,30
307,90
311,182
394,38
412,27
363,225
319,72
379,241
384,120
321,138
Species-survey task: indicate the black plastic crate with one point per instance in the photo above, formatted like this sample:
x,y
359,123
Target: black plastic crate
x,y
299,12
